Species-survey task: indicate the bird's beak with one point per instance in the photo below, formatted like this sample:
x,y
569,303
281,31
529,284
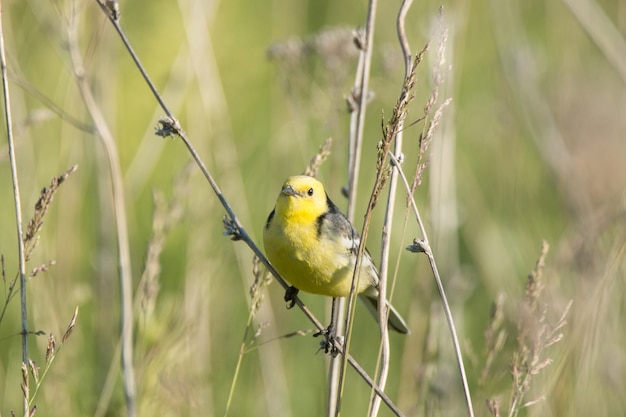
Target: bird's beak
x,y
289,191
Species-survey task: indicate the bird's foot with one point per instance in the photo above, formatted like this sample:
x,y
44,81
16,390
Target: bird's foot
x,y
290,297
331,341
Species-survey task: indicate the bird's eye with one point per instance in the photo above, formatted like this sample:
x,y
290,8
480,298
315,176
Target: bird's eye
x,y
310,192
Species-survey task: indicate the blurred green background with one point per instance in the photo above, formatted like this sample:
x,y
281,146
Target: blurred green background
x,y
532,147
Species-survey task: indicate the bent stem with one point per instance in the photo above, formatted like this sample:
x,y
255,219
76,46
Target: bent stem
x,y
123,249
423,246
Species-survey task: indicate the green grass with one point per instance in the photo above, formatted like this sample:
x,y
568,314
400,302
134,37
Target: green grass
x,y
255,121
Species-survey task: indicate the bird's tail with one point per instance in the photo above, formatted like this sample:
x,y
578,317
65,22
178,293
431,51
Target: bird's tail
x,y
395,320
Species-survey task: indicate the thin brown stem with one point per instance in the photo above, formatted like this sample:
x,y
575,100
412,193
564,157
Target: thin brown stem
x,y
423,246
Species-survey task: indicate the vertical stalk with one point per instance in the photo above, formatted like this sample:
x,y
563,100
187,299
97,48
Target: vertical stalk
x,y
117,189
18,212
16,192
357,127
358,123
388,221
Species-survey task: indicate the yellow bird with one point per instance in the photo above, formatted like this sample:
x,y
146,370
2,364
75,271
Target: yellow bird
x,y
314,246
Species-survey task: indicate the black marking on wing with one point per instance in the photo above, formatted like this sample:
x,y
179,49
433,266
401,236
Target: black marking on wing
x,y
334,219
269,218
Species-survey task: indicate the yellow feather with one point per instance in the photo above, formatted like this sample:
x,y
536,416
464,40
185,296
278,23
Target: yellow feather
x,y
312,245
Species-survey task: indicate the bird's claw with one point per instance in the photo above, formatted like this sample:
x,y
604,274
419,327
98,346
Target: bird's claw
x,y
290,296
330,342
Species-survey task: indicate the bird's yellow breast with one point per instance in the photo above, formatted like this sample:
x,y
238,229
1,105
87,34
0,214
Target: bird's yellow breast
x,y
313,246
319,266
306,248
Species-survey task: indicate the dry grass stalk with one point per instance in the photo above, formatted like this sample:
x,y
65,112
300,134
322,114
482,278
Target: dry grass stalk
x,y
166,215
319,158
426,136
25,385
41,268
495,336
383,171
534,335
261,280
31,237
70,327
51,351
493,405
34,370
391,128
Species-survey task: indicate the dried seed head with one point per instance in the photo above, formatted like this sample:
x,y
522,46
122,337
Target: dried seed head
x,y
319,158
34,369
70,327
51,349
41,207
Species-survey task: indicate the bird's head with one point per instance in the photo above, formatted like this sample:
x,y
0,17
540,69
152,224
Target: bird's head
x,y
302,196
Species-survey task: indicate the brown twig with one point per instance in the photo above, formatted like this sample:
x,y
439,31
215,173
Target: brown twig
x,y
424,247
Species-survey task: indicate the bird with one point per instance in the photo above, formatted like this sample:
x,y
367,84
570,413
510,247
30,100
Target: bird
x,y
313,245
